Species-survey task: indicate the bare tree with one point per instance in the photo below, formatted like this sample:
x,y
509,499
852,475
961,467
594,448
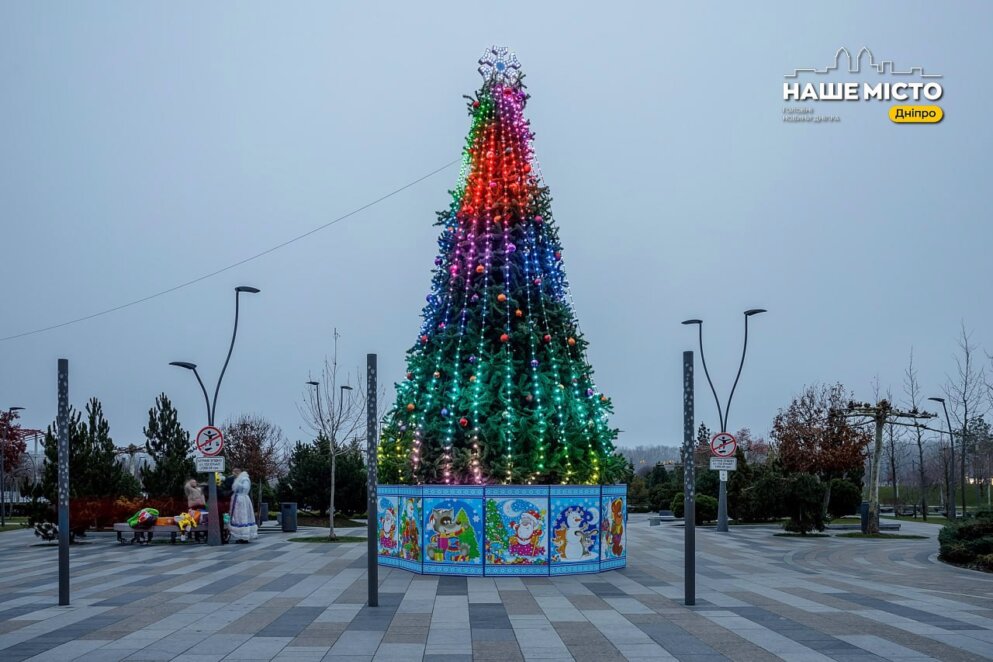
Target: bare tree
x,y
334,406
912,390
965,394
256,445
881,414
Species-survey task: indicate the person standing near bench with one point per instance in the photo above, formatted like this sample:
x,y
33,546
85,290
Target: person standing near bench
x,y
194,495
243,527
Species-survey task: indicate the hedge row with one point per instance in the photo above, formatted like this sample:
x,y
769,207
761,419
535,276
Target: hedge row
x,y
969,541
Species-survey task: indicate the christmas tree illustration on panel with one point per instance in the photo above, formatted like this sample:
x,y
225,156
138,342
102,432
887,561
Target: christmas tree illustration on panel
x,y
498,388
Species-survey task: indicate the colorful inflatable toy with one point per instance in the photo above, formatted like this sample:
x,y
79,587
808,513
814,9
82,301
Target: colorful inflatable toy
x,y
144,517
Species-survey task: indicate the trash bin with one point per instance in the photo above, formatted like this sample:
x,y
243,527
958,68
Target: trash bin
x,y
263,514
863,513
289,516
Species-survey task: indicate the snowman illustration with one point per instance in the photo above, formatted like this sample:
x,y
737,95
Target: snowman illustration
x,y
574,534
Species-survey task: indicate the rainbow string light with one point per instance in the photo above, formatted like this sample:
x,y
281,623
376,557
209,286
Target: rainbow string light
x,y
498,388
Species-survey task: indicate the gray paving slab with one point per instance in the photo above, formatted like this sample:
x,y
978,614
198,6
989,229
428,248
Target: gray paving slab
x,y
759,598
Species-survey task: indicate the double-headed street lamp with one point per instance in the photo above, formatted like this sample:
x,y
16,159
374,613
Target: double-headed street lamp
x,y
722,414
950,511
214,519
3,469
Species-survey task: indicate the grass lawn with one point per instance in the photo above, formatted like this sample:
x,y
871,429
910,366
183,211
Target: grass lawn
x,y
12,526
877,536
931,519
326,540
311,519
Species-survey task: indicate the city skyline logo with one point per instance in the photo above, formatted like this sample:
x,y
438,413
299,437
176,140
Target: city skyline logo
x,y
855,65
875,80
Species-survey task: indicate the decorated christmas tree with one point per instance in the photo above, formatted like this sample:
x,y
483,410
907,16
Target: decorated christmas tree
x,y
498,388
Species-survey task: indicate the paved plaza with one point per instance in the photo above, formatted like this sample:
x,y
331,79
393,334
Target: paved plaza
x,y
759,597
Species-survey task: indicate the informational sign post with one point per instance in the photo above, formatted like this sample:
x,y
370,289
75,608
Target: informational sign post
x,y
723,464
209,444
723,447
209,465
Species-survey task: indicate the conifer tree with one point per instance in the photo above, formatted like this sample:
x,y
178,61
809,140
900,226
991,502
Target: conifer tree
x,y
499,387
93,467
168,444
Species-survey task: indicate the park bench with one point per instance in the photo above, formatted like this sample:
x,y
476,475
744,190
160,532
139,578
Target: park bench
x,y
126,535
663,516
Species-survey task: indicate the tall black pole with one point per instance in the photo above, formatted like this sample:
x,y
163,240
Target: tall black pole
x,y
371,436
63,425
3,483
951,514
213,505
689,485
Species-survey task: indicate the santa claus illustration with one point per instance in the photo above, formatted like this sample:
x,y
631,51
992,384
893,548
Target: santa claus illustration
x,y
527,535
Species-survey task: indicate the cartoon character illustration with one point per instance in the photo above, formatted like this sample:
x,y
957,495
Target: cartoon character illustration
x,y
387,528
613,528
527,535
574,534
409,535
445,541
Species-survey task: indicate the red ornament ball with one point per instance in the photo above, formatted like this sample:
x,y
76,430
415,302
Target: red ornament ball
x,y
501,297
424,339
572,342
547,338
437,374
529,397
475,104
504,337
463,421
527,167
410,375
558,255
410,407
603,398
519,312
480,269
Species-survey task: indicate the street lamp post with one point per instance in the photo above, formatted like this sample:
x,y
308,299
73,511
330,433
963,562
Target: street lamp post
x,y
950,512
213,507
722,413
3,469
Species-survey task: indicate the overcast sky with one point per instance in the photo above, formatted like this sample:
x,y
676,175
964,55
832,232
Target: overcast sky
x,y
142,147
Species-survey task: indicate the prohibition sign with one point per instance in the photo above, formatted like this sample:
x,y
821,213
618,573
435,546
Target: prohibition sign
x,y
723,444
210,442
